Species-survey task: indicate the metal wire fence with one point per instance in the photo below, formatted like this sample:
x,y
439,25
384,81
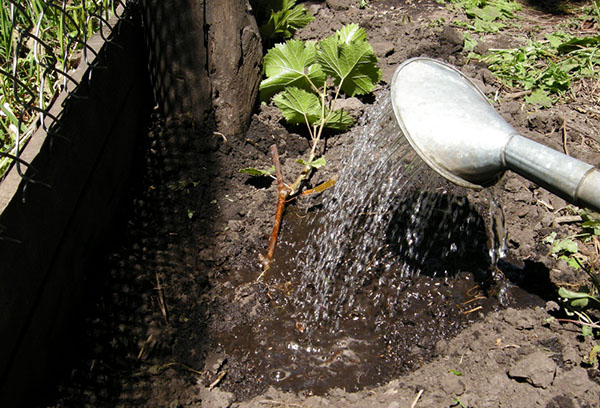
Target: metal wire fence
x,y
42,42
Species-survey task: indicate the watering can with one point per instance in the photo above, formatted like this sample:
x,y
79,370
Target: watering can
x,y
450,123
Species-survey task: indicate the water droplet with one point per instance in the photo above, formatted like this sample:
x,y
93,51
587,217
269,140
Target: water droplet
x,y
279,375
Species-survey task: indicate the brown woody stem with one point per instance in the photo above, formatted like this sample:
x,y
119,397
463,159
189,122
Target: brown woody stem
x,y
283,191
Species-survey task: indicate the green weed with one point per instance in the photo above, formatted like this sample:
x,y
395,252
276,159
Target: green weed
x,y
485,16
579,304
547,68
31,68
280,18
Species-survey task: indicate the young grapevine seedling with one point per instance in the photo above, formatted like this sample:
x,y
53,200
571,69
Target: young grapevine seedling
x,y
305,79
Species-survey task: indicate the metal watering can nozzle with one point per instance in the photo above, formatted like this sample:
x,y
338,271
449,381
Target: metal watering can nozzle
x,y
453,127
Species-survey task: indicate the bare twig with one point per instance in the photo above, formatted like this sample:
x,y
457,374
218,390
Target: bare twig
x,y
516,95
149,342
579,322
478,297
161,300
218,380
564,132
472,310
286,404
414,404
565,219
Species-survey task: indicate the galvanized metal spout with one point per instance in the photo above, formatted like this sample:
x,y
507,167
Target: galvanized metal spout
x,y
453,127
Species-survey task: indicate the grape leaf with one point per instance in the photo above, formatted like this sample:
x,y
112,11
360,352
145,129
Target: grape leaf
x,y
298,105
353,65
291,64
351,32
284,22
299,17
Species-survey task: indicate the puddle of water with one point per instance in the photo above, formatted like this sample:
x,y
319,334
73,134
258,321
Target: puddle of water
x,y
390,327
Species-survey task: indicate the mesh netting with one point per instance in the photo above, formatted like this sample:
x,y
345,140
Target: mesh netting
x,y
42,42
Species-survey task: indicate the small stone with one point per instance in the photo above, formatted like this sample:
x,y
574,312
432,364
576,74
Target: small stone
x,y
536,369
452,35
338,4
383,48
353,106
551,306
523,196
571,356
452,385
513,185
314,8
516,319
215,398
441,347
235,225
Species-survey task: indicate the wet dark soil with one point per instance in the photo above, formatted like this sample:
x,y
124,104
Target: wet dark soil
x,y
176,316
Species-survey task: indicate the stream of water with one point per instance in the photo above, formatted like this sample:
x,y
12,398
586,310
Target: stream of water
x,y
388,212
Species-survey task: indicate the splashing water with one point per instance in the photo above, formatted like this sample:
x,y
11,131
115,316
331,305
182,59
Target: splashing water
x,y
377,229
370,280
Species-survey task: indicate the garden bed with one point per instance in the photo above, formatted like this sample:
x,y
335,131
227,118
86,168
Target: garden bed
x,y
177,317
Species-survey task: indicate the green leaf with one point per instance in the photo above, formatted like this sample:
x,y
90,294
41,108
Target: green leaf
x,y
457,373
586,331
339,120
550,238
579,303
592,225
351,32
565,246
569,294
572,262
353,65
577,299
318,163
291,64
554,78
469,43
486,13
298,105
315,164
484,26
299,17
257,172
539,97
556,39
5,108
284,22
578,43
593,357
